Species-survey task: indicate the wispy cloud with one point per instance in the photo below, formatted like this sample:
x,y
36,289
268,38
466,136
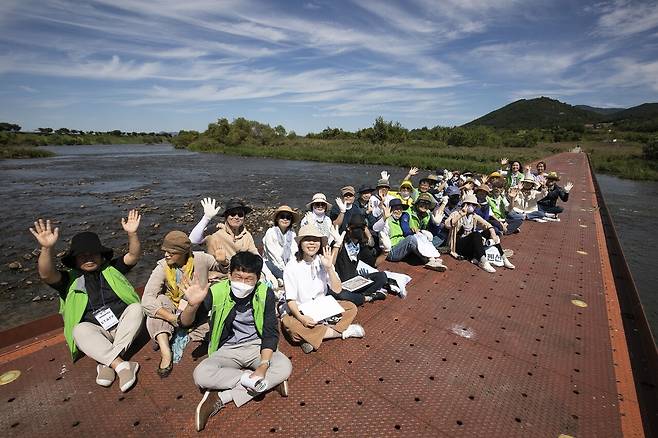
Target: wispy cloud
x,y
623,18
28,89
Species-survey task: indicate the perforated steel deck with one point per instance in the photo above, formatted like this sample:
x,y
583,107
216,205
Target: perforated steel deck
x,y
466,354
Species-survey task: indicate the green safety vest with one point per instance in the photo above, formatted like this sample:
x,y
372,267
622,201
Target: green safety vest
x,y
72,308
395,231
414,222
222,304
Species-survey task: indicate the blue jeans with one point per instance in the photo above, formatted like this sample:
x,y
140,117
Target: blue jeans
x,y
535,215
405,247
278,273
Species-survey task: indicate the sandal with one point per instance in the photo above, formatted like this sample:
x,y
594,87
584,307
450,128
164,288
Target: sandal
x,y
164,372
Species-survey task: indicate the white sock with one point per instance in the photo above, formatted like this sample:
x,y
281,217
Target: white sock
x,y
226,397
122,365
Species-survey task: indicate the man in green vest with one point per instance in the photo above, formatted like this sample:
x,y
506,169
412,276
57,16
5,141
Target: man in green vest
x,y
243,360
101,310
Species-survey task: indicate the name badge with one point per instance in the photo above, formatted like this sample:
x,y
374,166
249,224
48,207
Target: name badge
x,y
106,318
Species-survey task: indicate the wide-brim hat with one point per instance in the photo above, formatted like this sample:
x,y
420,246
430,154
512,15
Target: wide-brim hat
x,y
529,180
470,198
484,188
365,188
495,174
553,175
234,204
431,178
318,198
406,183
86,242
396,202
383,183
310,230
427,198
286,209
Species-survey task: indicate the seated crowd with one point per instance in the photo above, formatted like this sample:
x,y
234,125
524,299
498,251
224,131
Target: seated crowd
x,y
235,299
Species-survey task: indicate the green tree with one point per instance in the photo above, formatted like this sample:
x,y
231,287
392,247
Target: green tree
x,y
45,130
9,127
650,149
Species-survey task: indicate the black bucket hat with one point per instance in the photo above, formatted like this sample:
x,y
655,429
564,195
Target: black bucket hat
x,y
83,243
365,188
234,204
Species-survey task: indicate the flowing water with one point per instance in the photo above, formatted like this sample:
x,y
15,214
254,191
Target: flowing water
x,y
91,187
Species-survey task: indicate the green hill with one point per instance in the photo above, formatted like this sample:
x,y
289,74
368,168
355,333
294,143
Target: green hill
x,y
541,112
641,118
604,111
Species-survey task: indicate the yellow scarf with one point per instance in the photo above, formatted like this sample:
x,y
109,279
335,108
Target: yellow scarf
x,y
173,291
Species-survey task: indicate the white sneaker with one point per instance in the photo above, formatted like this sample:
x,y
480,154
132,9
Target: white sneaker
x,y
540,220
104,375
507,263
354,331
436,265
484,264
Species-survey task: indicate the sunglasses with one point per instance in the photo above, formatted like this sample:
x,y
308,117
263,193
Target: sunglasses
x,y
238,213
424,204
285,216
348,195
320,204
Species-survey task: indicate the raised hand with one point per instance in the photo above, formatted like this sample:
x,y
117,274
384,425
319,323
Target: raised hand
x,y
309,217
45,235
210,209
341,205
413,171
131,225
336,236
513,192
220,254
568,187
448,175
326,258
385,175
444,200
504,161
387,211
194,291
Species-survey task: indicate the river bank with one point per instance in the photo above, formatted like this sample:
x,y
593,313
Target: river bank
x,y
90,187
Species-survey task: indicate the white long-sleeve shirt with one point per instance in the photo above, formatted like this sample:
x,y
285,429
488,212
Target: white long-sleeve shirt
x,y
272,249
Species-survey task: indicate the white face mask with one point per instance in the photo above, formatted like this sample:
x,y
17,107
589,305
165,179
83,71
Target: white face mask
x,y
470,209
319,212
241,290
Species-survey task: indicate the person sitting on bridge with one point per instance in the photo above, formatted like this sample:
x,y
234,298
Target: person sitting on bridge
x,y
101,310
380,198
231,236
345,207
524,200
513,174
465,240
540,172
404,193
163,299
243,336
308,276
279,245
317,215
548,203
357,246
502,215
400,237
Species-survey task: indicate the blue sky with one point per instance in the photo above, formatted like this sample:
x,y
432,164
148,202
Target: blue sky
x,y
154,65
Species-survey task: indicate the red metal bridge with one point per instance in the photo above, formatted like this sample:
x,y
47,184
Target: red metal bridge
x,y
541,351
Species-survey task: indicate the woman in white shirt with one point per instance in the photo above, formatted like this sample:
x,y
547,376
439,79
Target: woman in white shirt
x,y
279,245
307,277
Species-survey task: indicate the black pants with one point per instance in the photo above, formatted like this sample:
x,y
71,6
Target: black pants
x,y
379,279
472,246
555,210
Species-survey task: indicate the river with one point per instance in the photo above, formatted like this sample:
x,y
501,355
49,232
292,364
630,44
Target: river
x,y
91,187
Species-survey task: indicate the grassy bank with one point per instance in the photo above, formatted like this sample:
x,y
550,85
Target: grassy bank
x,y
23,152
620,159
21,139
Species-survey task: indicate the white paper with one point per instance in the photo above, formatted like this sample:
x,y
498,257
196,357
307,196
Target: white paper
x,y
356,283
321,308
402,281
425,246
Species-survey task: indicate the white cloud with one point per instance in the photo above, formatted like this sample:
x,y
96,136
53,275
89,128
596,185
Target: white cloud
x,y
28,89
623,18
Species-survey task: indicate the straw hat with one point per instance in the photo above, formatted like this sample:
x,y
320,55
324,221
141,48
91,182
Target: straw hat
x,y
318,198
530,179
470,198
310,230
286,209
484,188
553,175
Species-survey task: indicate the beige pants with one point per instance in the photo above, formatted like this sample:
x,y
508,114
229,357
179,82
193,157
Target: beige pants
x,y
222,370
155,326
104,346
314,336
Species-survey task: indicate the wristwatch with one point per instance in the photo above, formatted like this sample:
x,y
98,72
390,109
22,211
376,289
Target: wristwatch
x,y
265,362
